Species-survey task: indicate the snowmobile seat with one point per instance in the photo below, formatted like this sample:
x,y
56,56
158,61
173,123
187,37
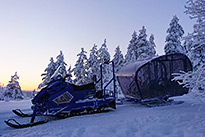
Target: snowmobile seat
x,y
83,87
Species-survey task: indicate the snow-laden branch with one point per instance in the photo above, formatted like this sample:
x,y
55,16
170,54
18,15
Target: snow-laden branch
x,y
193,80
195,9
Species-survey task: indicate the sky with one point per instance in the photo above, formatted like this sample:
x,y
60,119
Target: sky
x,y
33,31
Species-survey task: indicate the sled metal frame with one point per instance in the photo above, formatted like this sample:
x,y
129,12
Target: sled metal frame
x,y
108,83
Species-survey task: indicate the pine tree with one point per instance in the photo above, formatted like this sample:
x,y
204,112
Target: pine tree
x,y
187,42
49,71
61,70
118,61
13,89
152,46
1,93
80,71
61,65
104,56
195,49
131,55
143,46
195,42
69,72
195,9
173,39
54,69
93,64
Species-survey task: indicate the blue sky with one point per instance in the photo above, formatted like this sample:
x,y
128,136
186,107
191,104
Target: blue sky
x,y
32,31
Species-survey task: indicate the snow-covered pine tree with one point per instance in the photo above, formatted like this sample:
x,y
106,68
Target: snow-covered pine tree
x,y
173,39
196,53
104,56
195,47
49,71
1,93
187,43
61,70
13,89
143,46
93,64
80,70
118,61
131,54
61,65
69,72
195,9
196,40
54,68
152,46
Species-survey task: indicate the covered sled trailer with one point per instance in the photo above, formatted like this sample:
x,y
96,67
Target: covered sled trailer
x,y
151,79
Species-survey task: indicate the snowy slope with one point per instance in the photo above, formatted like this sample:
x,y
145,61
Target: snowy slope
x,y
128,120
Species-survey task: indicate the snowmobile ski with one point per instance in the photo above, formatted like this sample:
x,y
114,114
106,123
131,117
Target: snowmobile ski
x,y
13,123
18,112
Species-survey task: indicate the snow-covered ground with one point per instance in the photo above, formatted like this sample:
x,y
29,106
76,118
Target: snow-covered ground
x,y
128,120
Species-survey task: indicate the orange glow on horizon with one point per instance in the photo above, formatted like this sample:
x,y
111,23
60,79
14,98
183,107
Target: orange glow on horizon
x,y
29,86
24,86
26,81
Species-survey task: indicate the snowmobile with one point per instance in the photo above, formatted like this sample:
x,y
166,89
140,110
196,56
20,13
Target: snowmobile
x,y
62,99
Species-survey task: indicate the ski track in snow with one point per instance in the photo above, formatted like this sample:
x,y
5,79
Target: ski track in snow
x,y
128,120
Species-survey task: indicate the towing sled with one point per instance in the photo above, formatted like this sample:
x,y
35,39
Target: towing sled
x,y
62,99
144,81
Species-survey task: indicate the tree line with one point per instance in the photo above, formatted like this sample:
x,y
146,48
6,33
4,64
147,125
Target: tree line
x,y
139,48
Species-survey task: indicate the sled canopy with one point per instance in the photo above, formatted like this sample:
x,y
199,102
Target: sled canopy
x,y
149,79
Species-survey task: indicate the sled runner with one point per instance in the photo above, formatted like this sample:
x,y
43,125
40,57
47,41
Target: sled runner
x,y
161,102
